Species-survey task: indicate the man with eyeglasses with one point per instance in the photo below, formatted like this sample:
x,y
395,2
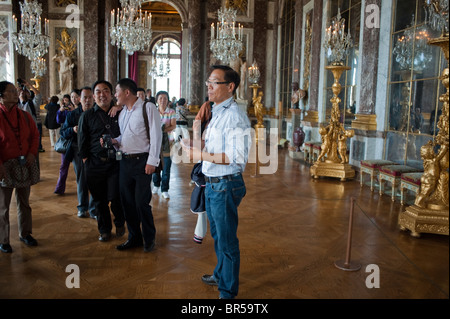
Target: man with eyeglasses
x,y
225,155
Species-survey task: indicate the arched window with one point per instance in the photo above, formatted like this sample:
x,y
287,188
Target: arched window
x,y
166,67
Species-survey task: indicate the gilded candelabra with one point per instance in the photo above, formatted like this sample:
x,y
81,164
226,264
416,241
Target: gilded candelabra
x,y
333,160
430,212
253,76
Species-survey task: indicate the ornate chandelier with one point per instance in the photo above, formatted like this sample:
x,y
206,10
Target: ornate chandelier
x,y
227,43
31,41
160,62
253,73
39,67
337,42
417,41
131,29
436,15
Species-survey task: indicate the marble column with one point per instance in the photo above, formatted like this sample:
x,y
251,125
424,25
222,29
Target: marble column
x,y
365,117
110,51
260,39
195,62
315,56
312,116
297,40
92,39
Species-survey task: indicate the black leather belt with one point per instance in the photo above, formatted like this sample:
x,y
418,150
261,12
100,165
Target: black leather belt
x,y
136,156
213,180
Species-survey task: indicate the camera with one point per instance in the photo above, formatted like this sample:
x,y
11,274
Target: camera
x,y
107,141
21,83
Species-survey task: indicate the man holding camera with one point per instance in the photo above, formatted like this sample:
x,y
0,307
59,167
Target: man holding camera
x,y
96,130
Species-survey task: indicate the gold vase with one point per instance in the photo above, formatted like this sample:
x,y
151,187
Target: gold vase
x,y
333,159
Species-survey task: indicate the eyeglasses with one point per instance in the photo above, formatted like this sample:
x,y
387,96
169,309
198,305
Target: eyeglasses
x,y
215,84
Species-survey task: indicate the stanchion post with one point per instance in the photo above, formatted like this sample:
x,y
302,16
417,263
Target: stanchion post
x,y
347,265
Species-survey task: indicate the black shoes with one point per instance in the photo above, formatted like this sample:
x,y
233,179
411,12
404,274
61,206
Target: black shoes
x,y
209,280
120,231
128,245
105,237
149,248
6,248
131,244
29,240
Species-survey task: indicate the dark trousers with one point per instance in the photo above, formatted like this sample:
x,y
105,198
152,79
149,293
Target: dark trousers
x,y
84,203
136,196
39,126
103,183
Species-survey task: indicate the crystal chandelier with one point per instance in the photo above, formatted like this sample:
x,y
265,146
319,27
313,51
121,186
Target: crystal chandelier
x,y
131,29
253,73
160,62
39,67
227,43
436,15
417,41
31,41
337,42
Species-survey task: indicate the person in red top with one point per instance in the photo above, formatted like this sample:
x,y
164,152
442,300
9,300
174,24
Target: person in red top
x,y
19,139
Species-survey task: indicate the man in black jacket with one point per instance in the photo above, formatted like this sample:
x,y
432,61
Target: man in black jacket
x,y
69,130
100,160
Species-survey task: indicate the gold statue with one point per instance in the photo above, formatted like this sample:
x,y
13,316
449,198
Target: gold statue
x,y
240,5
64,3
334,138
342,145
259,109
67,44
431,175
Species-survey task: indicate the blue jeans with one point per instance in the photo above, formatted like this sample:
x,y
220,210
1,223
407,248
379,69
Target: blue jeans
x,y
162,179
222,200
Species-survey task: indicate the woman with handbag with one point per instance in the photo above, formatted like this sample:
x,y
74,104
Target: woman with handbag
x,y
66,159
161,177
19,142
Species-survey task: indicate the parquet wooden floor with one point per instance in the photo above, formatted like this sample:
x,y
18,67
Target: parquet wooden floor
x,y
292,230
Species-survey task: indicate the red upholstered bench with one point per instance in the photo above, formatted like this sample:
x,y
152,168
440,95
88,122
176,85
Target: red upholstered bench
x,y
409,181
372,167
393,174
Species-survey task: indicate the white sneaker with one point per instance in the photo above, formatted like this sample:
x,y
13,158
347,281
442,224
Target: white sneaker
x,y
166,195
155,190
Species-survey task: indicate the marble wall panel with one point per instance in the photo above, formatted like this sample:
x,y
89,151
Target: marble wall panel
x,y
316,53
369,63
7,70
91,33
195,62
